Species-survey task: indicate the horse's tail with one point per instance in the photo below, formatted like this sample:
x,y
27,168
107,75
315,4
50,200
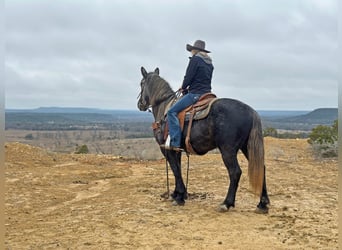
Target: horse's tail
x,y
256,167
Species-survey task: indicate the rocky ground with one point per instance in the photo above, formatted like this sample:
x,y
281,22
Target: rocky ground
x,y
68,201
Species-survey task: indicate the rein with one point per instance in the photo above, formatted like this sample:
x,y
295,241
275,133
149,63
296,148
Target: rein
x,y
158,102
157,125
157,128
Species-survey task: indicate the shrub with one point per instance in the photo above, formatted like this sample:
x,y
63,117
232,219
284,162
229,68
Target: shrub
x,y
324,140
270,132
29,137
82,149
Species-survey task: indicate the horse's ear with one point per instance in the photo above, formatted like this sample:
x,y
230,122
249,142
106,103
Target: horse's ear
x,y
156,71
143,72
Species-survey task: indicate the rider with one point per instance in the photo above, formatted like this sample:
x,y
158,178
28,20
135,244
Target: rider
x,y
197,81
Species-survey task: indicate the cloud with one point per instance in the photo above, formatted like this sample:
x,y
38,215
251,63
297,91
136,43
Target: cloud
x,y
76,53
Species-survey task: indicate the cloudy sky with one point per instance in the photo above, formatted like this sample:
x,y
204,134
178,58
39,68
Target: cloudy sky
x,y
271,54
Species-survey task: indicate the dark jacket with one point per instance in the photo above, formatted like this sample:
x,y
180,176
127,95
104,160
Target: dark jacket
x,y
198,74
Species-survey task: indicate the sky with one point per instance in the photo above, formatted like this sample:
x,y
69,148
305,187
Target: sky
x,y
270,54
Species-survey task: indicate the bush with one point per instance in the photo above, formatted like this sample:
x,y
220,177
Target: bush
x,y
270,132
29,137
326,150
82,149
324,134
324,140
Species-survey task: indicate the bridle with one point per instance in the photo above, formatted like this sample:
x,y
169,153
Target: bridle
x,y
142,98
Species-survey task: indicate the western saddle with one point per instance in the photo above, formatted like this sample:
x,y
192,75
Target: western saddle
x,y
197,111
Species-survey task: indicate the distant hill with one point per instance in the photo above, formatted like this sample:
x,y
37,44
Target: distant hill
x,y
55,118
321,116
79,110
73,110
318,116
281,113
52,118
82,114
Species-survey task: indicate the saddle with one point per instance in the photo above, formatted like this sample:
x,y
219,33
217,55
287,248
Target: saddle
x,y
197,111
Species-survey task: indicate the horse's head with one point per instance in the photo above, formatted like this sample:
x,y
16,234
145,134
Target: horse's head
x,y
145,97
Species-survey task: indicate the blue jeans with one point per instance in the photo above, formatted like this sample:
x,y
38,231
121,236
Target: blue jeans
x,y
174,127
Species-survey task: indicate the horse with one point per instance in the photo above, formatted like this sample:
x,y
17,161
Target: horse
x,y
230,126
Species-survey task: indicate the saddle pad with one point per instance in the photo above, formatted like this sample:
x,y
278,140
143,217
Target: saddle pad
x,y
201,114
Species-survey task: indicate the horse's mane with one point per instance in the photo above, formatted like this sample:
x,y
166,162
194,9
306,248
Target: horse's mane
x,y
159,89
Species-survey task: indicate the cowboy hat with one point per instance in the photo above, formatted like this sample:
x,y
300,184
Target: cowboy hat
x,y
198,45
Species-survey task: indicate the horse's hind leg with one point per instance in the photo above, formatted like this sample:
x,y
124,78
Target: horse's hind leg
x,y
264,200
234,171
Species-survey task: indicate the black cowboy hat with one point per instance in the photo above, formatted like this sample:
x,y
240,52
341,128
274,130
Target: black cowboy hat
x,y
199,45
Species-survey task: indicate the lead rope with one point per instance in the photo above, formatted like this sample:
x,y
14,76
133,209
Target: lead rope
x,y
187,174
178,94
167,180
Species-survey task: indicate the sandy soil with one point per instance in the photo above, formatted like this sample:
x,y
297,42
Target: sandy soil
x,y
66,201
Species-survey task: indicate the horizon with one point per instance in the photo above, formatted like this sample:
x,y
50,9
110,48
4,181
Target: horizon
x,y
120,109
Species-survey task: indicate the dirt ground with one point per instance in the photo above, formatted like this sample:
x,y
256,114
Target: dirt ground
x,y
68,201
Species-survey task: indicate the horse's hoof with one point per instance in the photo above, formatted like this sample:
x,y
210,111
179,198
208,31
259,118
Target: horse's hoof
x,y
261,210
178,203
165,195
222,208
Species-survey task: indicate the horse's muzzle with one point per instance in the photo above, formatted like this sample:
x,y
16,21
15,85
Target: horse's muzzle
x,y
142,107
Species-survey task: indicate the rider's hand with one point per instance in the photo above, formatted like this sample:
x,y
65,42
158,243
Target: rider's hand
x,y
185,91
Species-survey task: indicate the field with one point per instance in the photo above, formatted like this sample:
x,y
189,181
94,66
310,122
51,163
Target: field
x,y
98,142
96,201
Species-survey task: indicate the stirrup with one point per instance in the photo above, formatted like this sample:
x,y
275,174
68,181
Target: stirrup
x,y
177,149
168,146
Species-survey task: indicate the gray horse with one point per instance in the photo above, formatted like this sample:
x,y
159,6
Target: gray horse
x,y
230,126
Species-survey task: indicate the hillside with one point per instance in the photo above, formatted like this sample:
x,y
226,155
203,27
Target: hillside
x,y
66,120
318,116
322,116
68,201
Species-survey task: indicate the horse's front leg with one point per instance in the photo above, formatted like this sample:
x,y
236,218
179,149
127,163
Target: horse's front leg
x,y
179,194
